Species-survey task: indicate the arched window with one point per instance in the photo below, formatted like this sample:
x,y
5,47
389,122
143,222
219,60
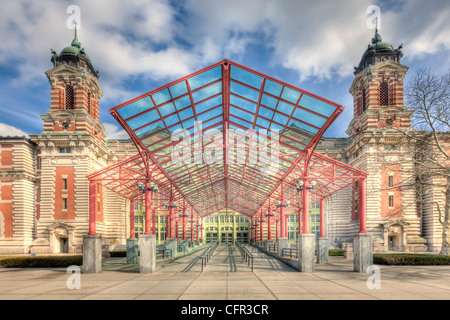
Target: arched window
x,y
70,98
384,94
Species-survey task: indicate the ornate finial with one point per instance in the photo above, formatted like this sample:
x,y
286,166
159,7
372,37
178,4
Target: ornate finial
x,y
76,42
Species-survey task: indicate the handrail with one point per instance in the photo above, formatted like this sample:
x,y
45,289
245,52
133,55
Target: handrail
x,y
163,251
246,254
292,252
207,254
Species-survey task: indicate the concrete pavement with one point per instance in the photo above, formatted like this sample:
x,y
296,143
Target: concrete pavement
x,y
227,277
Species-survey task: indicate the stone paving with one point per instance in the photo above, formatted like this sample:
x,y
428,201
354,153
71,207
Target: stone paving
x,y
227,277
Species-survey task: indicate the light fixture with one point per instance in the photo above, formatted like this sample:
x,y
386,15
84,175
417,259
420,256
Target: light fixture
x,y
168,206
142,188
300,186
278,204
267,214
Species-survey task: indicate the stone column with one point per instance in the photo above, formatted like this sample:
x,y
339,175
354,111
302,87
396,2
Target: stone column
x,y
306,245
363,252
322,251
282,243
268,244
171,243
92,254
132,251
147,261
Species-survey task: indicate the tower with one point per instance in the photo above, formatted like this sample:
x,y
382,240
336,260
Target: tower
x,y
75,93
71,146
377,145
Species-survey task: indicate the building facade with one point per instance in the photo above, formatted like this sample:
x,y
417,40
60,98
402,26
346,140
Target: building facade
x,y
44,191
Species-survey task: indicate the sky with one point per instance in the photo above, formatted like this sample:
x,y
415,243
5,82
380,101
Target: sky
x,y
140,45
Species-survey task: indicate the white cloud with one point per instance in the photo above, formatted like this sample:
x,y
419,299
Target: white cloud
x,y
114,132
7,130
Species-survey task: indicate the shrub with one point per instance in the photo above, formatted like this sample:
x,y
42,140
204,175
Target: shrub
x,y
336,253
118,254
41,262
411,259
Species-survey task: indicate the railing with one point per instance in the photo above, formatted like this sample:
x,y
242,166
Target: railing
x,y
291,252
246,254
408,249
207,254
181,248
272,248
165,253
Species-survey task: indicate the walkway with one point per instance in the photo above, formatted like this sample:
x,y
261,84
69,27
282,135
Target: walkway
x,y
227,277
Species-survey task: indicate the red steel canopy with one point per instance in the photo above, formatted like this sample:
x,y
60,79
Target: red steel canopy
x,y
223,115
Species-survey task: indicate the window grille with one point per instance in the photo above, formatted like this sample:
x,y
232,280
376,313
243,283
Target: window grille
x,y
384,94
70,98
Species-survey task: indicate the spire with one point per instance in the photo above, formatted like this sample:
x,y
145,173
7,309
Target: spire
x,y
377,37
76,42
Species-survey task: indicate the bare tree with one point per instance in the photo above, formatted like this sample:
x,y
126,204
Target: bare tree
x,y
428,95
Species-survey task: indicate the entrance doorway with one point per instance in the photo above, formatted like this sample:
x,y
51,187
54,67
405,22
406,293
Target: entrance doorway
x,y
63,245
227,237
242,237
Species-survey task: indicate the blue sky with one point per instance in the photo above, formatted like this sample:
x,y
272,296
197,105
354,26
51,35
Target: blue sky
x,y
142,45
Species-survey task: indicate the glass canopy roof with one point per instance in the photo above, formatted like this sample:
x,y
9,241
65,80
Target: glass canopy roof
x,y
239,134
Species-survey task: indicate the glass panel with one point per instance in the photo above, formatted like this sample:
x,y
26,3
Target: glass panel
x,y
266,113
285,108
241,114
178,89
135,108
263,123
317,105
209,115
182,103
273,88
143,119
167,109
244,91
151,128
204,78
302,127
207,92
186,114
208,104
161,96
280,119
246,77
290,95
171,120
269,101
309,117
243,104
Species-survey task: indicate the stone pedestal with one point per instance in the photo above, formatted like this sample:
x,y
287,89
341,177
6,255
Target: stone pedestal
x,y
363,252
306,245
92,254
171,243
147,261
322,251
281,244
132,251
268,243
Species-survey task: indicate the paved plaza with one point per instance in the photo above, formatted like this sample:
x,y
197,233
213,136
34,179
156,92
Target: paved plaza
x,y
228,277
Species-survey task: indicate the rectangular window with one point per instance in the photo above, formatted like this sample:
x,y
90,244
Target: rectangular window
x,y
390,181
64,202
389,147
391,201
65,150
64,183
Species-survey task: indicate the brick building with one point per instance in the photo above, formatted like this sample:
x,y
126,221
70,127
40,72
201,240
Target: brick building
x,y
44,190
